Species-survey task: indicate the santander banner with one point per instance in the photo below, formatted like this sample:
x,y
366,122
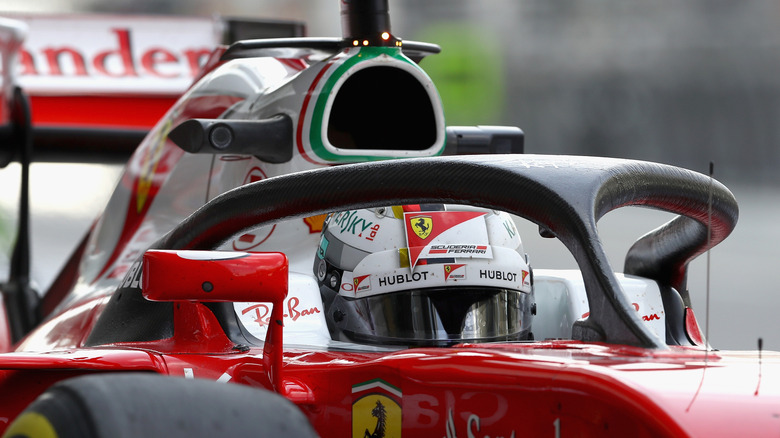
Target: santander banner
x,y
81,54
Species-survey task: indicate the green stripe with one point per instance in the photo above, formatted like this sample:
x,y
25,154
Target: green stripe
x,y
371,383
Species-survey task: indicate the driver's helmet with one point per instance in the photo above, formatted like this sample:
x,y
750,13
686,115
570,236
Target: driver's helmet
x,y
429,275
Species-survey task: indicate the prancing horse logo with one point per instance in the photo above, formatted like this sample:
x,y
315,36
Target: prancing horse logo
x,y
421,225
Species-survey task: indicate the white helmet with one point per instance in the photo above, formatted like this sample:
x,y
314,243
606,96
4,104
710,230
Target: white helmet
x,y
424,275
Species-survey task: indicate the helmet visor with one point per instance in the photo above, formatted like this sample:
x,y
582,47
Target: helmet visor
x,y
436,316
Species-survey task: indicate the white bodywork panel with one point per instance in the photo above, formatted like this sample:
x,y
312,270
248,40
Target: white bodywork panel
x,y
561,300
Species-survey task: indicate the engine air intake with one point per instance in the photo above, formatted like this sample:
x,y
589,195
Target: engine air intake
x,y
382,108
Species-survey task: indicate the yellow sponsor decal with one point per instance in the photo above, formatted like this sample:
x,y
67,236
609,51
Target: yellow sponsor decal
x,y
315,223
398,211
403,253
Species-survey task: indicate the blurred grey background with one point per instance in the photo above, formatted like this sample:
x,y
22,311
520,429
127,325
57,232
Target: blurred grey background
x,y
683,83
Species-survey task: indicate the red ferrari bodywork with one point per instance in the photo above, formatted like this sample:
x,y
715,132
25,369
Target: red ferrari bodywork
x,y
544,388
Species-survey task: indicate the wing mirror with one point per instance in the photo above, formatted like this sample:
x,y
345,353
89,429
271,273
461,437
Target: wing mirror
x,y
214,276
270,140
170,275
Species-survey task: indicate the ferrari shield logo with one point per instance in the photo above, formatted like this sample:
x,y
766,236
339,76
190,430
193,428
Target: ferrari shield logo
x,y
362,283
454,272
421,225
376,410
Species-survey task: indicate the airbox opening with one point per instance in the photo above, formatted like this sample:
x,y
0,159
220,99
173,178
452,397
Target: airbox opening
x,y
382,108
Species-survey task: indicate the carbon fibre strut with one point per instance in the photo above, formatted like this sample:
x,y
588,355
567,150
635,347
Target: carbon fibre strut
x,y
21,299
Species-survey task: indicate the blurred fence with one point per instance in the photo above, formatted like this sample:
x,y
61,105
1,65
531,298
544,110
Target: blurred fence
x,y
683,83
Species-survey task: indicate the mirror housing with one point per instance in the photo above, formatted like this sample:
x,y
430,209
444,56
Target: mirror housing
x,y
218,276
214,276
270,140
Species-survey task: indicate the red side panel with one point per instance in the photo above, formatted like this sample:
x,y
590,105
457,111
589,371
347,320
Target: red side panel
x,y
103,111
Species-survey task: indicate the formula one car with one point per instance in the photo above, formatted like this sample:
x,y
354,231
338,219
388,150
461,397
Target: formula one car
x,y
301,246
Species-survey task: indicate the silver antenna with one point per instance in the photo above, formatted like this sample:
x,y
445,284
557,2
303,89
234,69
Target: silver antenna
x,y
709,247
707,310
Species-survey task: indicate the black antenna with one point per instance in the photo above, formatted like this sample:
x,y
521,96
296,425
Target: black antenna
x,y
366,23
760,349
21,299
